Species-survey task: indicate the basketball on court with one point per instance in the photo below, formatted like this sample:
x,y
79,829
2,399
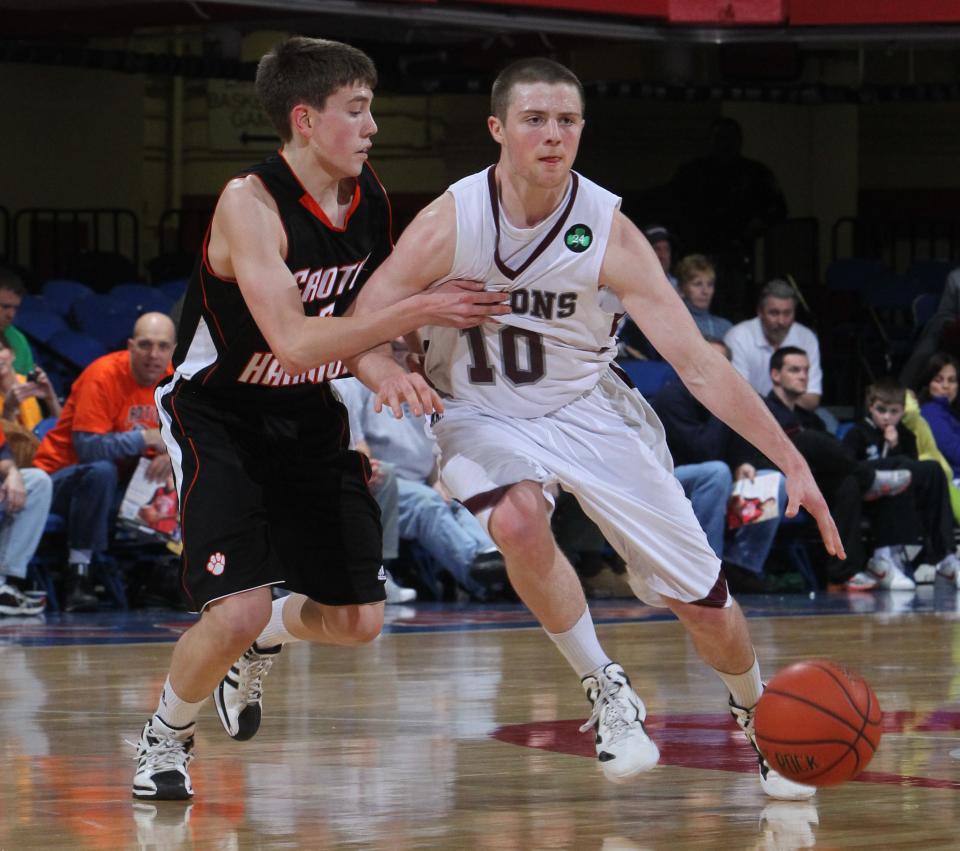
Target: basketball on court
x,y
818,723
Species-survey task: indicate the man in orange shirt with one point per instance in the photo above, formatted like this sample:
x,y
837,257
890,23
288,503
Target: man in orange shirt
x,y
108,422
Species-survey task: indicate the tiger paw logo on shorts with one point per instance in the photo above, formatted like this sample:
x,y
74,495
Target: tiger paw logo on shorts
x,y
217,563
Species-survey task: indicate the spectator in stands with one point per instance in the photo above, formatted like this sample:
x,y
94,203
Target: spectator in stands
x,y
940,334
937,393
753,342
721,202
631,340
427,514
709,458
697,281
845,484
11,295
24,506
661,241
881,439
109,421
19,394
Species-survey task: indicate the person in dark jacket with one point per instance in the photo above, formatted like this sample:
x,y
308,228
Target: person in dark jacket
x,y
699,441
881,439
846,483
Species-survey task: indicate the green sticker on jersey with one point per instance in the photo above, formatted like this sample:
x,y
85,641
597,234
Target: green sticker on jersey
x,y
579,238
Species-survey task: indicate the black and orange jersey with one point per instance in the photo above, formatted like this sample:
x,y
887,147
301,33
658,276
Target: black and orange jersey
x,y
220,345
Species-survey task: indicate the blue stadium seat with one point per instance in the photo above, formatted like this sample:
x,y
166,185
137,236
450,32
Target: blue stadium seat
x,y
929,276
854,274
38,323
648,376
174,289
61,295
76,348
141,297
106,319
924,306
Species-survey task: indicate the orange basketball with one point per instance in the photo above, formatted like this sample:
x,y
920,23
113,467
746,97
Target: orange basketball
x,y
818,723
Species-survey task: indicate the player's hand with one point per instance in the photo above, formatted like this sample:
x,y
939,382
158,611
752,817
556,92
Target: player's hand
x,y
461,304
13,493
409,387
159,468
803,490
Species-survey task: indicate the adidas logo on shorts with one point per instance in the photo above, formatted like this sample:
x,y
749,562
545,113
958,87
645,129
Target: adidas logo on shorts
x,y
382,575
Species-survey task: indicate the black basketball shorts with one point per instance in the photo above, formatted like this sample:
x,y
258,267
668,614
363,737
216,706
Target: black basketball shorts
x,y
270,496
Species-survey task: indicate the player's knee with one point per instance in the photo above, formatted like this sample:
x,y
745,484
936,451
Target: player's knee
x,y
518,522
355,624
239,619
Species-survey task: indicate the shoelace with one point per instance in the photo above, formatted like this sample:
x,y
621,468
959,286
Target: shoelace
x,y
251,677
163,753
610,706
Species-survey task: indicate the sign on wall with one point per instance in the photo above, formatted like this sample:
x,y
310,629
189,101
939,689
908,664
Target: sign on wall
x,y
236,121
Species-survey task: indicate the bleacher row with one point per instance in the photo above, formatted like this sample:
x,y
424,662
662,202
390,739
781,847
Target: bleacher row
x,y
70,325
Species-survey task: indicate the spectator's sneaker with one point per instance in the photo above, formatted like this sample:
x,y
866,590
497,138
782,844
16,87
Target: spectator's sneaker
x,y
397,593
862,581
773,784
80,596
623,747
14,602
949,568
238,697
163,754
888,483
889,575
926,574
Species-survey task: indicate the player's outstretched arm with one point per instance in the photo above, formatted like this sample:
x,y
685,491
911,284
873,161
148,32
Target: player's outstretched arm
x,y
247,243
633,272
423,255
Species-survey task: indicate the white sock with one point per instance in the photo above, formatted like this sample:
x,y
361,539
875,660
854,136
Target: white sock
x,y
275,632
886,553
175,712
79,556
580,647
745,688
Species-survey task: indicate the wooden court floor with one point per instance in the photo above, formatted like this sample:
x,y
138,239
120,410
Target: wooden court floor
x,y
458,729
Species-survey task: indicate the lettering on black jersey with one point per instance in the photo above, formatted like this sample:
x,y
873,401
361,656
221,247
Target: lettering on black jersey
x,y
542,304
264,369
327,283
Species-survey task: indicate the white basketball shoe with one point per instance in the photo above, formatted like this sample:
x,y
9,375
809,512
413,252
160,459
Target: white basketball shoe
x,y
623,747
239,696
774,784
163,754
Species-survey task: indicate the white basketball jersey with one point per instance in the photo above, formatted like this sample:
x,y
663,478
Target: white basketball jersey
x,y
558,340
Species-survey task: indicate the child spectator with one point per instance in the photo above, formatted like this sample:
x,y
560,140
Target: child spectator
x,y
882,440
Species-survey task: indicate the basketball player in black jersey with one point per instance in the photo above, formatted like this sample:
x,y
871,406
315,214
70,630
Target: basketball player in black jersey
x,y
269,492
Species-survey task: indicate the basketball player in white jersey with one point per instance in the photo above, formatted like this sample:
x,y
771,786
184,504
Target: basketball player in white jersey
x,y
533,398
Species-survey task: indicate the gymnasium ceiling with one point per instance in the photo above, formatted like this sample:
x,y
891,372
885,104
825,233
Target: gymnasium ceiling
x,y
457,45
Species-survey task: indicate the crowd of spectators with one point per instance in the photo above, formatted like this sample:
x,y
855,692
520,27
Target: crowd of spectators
x,y
890,475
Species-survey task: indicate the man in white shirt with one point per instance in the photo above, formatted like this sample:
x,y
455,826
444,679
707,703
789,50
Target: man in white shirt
x,y
753,341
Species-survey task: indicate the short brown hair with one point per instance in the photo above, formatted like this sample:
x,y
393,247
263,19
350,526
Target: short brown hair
x,y
692,265
886,389
307,70
537,69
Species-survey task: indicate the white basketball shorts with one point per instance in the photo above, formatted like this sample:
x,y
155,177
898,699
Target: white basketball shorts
x,y
608,449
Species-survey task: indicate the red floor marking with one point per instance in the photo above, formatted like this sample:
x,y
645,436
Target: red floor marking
x,y
713,741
